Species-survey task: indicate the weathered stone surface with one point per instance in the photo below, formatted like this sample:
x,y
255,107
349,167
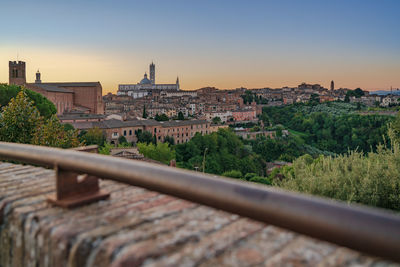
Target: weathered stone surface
x,y
138,227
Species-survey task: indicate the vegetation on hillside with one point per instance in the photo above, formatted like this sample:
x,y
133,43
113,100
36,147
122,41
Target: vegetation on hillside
x,y
332,127
217,153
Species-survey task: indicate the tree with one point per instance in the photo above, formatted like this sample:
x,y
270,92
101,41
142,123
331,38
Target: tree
x,y
52,133
180,116
106,149
162,117
19,120
144,136
144,112
46,107
216,120
93,136
169,139
122,140
314,99
394,129
160,152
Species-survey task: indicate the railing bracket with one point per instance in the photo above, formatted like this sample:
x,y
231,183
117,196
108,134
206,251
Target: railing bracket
x,y
73,189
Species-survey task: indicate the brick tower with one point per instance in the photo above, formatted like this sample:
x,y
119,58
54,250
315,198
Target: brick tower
x,y
17,72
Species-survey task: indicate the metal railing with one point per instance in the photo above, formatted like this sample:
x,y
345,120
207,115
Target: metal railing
x,y
369,230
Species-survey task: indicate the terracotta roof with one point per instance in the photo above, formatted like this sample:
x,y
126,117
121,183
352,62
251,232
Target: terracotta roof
x,y
50,87
140,227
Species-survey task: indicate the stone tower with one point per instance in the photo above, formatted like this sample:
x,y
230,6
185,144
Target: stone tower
x,y
152,73
38,80
332,85
177,83
16,72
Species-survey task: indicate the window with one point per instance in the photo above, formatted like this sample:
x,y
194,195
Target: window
x,y
130,132
124,132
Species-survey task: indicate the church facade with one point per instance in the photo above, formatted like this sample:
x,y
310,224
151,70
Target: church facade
x,y
146,85
68,97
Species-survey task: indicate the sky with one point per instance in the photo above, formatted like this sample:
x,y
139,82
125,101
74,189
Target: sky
x,y
221,43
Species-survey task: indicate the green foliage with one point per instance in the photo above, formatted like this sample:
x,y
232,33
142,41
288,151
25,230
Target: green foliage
x,y
161,152
250,97
216,120
250,175
233,174
52,133
122,140
162,117
220,152
19,120
260,180
144,115
106,148
124,145
357,93
180,116
169,139
394,129
144,137
314,99
94,136
332,126
68,127
46,107
371,180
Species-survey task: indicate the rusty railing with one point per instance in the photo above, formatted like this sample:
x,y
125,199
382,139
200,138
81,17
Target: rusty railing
x,y
370,230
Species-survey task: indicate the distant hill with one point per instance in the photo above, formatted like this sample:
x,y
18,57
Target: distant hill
x,y
381,92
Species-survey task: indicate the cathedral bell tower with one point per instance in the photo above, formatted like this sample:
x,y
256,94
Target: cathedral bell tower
x,y
152,73
16,72
177,83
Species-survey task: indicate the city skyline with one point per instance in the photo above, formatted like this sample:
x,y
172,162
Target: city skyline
x,y
221,44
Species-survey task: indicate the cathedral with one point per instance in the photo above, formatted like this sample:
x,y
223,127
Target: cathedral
x,y
146,85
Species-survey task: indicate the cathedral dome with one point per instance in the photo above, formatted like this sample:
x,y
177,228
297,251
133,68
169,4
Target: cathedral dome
x,y
145,80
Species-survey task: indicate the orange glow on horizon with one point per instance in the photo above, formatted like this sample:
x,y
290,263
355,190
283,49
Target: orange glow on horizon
x,y
113,69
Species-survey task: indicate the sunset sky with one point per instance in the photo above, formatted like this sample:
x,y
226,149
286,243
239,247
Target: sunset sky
x,y
221,43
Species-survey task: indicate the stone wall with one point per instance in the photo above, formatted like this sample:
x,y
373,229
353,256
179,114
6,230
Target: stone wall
x,y
137,227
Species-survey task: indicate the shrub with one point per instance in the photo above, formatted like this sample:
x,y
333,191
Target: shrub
x,y
249,175
260,180
371,180
233,174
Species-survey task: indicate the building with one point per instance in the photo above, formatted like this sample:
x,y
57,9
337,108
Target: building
x,y
332,85
181,131
78,97
244,115
146,85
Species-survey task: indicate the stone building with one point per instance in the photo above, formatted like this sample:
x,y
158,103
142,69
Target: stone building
x,y
80,97
146,85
